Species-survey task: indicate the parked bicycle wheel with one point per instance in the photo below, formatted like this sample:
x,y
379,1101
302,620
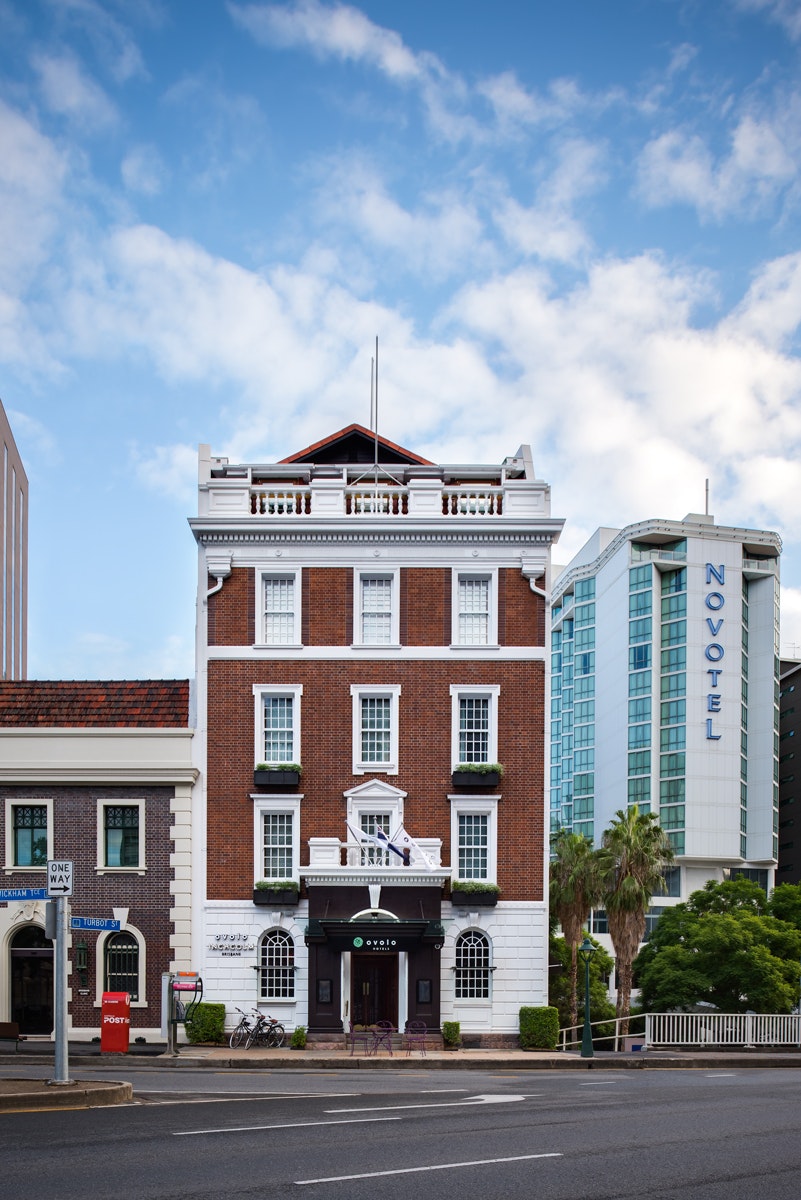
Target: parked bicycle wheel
x,y
276,1035
238,1036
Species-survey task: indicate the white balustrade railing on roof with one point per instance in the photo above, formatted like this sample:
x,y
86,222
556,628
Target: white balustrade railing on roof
x,y
288,501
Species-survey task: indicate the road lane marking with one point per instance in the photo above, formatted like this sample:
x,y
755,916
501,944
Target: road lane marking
x,y
724,1075
476,1162
468,1100
599,1082
288,1125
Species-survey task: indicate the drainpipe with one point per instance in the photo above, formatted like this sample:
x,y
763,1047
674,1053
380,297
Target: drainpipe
x,y
220,568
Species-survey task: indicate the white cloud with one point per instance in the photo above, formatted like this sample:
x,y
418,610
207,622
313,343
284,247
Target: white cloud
x,y
66,90
786,13
144,170
790,621
30,196
170,470
678,166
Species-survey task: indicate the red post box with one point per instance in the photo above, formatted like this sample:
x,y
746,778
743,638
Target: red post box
x,y
115,1022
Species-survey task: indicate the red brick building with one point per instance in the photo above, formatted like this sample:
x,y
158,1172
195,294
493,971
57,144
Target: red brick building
x,y
100,774
380,621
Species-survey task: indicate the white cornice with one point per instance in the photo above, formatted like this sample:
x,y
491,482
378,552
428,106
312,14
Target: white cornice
x,y
364,876
55,774
454,655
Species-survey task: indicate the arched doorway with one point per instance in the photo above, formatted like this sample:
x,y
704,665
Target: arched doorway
x,y
32,980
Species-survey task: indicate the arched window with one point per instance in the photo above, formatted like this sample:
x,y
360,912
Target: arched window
x,y
277,966
121,972
472,966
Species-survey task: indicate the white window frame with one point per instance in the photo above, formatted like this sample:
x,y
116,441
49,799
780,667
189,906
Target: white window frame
x,y
262,691
491,577
361,692
373,797
103,803
484,806
285,935
296,575
13,802
100,966
359,575
489,692
264,805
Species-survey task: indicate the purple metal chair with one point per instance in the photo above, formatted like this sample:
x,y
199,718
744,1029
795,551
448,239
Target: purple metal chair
x,y
414,1037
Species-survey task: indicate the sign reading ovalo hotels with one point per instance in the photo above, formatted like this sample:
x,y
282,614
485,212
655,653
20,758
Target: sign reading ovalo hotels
x,y
233,945
714,652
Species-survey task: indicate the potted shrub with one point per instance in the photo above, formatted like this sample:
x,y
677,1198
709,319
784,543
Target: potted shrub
x,y
474,891
477,775
451,1035
275,892
276,774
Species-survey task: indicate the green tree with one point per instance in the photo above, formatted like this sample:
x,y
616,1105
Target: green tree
x,y
721,948
574,888
560,994
785,903
634,855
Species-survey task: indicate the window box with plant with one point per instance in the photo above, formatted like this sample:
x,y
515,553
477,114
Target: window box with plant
x,y
465,892
276,892
477,775
277,774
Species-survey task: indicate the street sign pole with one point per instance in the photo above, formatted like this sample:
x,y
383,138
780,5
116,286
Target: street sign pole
x,y
62,1074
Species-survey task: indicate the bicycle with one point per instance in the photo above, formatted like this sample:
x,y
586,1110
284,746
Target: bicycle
x,y
266,1032
242,1031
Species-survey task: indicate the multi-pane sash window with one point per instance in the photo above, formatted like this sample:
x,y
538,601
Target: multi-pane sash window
x,y
122,964
277,845
370,823
121,836
279,729
376,610
474,611
277,966
474,723
30,835
279,610
473,846
472,966
376,729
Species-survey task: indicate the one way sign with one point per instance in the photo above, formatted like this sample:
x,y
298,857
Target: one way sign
x,y
59,878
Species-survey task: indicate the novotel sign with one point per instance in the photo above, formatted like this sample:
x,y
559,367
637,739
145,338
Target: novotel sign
x,y
714,601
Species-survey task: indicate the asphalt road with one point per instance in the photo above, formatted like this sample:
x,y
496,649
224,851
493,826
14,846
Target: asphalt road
x,y
538,1135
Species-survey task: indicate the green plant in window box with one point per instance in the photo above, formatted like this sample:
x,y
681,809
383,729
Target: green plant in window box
x,y
276,891
474,891
471,775
277,774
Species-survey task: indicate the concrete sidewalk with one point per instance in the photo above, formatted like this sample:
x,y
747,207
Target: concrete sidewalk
x,y
21,1094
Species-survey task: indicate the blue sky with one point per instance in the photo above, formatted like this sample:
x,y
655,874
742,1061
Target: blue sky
x,y
574,225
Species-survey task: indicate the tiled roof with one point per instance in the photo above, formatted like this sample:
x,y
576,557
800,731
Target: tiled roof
x,y
114,704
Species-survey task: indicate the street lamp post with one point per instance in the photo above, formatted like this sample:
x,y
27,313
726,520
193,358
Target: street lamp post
x,y
586,951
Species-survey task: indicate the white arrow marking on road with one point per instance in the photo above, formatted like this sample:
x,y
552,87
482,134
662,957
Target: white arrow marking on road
x,y
470,1100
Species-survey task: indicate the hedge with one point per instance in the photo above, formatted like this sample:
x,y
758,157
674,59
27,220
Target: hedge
x,y
539,1028
207,1023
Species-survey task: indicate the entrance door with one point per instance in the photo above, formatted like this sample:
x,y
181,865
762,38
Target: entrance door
x,y
374,988
32,980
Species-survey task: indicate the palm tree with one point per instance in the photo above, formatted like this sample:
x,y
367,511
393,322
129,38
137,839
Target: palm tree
x,y
575,887
634,854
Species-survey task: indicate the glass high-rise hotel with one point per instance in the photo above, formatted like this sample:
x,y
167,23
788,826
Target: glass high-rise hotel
x,y
664,692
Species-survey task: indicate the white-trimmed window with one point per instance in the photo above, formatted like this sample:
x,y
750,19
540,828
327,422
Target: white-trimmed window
x,y
29,834
474,731
276,966
375,728
277,737
474,838
371,806
474,616
279,593
121,835
376,615
121,965
473,968
276,837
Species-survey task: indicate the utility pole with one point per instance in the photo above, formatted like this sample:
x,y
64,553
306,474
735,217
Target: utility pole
x,y
59,886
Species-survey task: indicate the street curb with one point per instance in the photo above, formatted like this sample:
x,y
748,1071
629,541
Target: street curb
x,y
76,1094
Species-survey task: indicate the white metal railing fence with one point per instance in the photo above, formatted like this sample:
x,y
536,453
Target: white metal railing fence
x,y
722,1029
570,1036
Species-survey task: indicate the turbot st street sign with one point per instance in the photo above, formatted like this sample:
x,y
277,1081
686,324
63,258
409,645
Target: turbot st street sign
x,y
98,923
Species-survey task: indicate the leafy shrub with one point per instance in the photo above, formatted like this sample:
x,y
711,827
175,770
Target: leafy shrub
x,y
451,1033
298,1039
539,1028
206,1023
